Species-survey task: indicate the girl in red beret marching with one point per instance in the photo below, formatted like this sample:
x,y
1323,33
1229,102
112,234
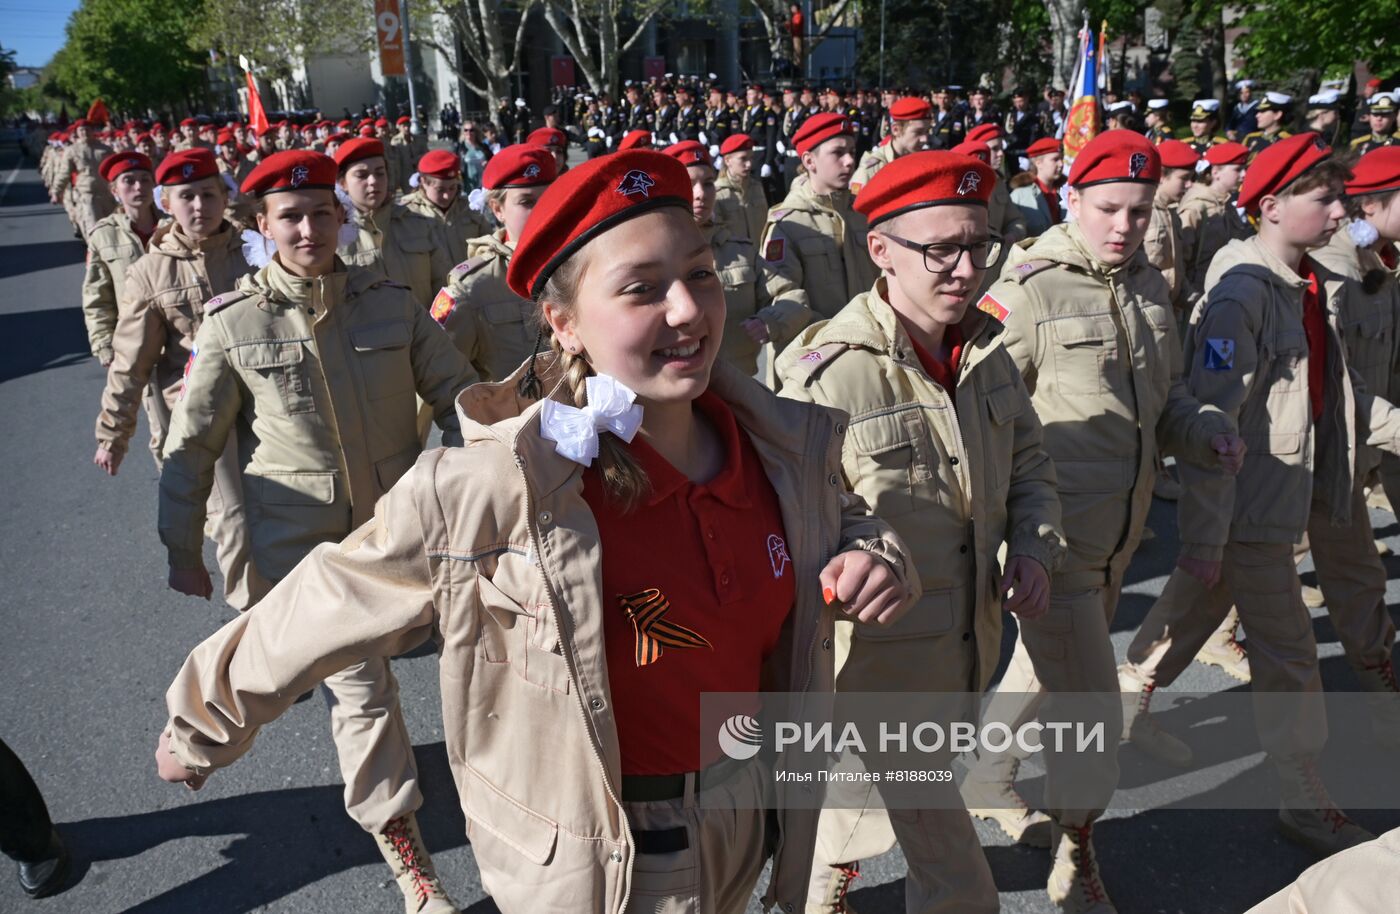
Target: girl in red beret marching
x,y
629,525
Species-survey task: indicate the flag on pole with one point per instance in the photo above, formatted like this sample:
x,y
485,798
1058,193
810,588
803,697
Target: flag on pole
x,y
1103,58
98,113
1082,125
257,117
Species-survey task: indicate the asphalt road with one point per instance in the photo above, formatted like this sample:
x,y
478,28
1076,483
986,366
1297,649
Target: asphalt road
x,y
90,637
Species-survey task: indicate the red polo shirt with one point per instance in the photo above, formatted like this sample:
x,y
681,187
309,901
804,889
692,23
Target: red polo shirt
x,y
944,372
697,583
1315,326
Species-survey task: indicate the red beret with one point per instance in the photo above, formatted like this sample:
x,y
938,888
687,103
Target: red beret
x,y
338,138
189,122
80,122
911,108
635,139
985,133
157,127
819,128
975,148
1116,155
552,137
404,119
367,131
381,122
922,179
521,165
689,152
366,122
359,148
225,136
737,142
121,162
1043,146
295,169
1278,166
1375,172
343,125
1176,154
1227,154
440,163
186,167
143,138
587,201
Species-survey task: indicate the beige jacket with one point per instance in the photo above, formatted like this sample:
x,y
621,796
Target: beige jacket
x,y
403,156
78,168
404,246
491,325
491,550
324,374
1247,354
1163,248
1209,221
1006,221
736,262
870,165
1362,880
1367,297
161,312
814,259
1098,350
973,476
742,208
113,247
460,223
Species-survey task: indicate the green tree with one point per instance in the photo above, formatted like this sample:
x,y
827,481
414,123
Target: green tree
x,y
134,54
1327,37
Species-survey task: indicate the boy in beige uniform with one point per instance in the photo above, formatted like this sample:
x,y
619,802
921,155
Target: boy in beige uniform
x,y
1209,220
739,201
78,178
1089,325
813,250
944,444
911,120
322,363
1265,348
438,195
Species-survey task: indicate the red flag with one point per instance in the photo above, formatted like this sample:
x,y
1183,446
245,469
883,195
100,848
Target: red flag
x,y
98,113
257,117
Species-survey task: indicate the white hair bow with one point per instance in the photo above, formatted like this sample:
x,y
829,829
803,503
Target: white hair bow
x,y
575,431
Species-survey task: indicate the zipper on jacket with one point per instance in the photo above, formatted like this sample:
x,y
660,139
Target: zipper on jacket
x,y
566,647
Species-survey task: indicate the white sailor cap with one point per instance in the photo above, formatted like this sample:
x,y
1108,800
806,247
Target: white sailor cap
x,y
1327,98
1275,101
1119,107
1203,108
1245,84
1157,104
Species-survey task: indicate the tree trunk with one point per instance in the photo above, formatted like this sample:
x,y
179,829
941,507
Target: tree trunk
x,y
1066,18
1219,78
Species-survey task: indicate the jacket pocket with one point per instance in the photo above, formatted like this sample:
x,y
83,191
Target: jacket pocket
x,y
818,263
511,311
933,614
506,819
280,363
889,459
1289,368
523,638
391,469
382,353
290,515
1086,352
1094,501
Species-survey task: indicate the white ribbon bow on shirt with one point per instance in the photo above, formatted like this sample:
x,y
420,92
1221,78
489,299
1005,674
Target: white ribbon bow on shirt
x,y
575,431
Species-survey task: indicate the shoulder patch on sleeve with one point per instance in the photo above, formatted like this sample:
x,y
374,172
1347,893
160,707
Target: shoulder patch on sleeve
x,y
1219,353
444,303
467,268
990,305
1025,271
775,250
806,367
220,302
777,215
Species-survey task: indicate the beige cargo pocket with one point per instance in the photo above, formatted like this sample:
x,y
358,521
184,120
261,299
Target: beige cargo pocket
x,y
1289,368
889,459
1094,502
290,514
1369,341
280,364
1004,404
933,614
521,637
391,469
1086,354
384,358
507,821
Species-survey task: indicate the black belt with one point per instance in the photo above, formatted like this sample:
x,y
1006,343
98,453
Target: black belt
x,y
656,788
660,841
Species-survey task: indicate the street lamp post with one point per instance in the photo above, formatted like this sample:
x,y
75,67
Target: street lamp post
x,y
416,128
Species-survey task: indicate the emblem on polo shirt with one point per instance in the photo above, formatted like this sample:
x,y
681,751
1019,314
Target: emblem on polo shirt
x,y
532,171
969,183
299,175
636,182
777,549
1137,163
647,611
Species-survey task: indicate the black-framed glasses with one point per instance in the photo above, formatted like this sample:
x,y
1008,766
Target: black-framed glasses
x,y
944,256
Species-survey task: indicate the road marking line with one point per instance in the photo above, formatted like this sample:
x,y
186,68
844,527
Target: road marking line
x,y
5,188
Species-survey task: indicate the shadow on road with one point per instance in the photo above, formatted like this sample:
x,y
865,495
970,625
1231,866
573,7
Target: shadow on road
x,y
18,259
33,341
282,841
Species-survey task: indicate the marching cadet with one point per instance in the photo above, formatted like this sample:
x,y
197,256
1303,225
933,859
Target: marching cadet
x,y
407,148
1324,116
721,121
556,141
947,131
115,243
1006,222
937,407
736,263
638,116
1089,325
663,117
1036,193
407,247
1159,120
492,326
1266,347
688,123
1163,242
760,121
321,362
78,178
784,142
235,168
911,118
437,195
1209,219
1270,115
1205,124
813,248
1363,258
197,255
1380,115
702,458
740,205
